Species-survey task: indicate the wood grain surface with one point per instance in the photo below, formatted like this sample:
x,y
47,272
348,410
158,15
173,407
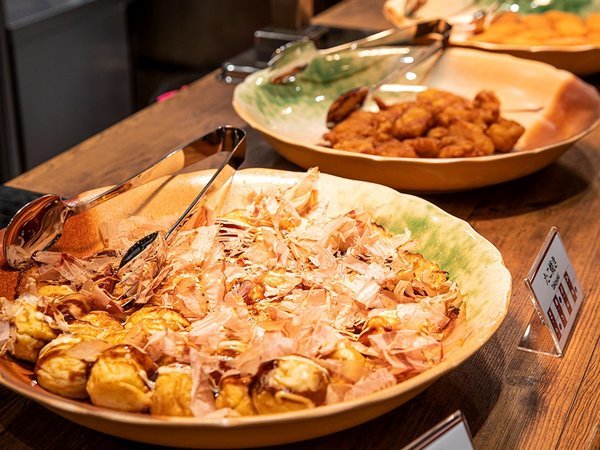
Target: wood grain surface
x,y
511,399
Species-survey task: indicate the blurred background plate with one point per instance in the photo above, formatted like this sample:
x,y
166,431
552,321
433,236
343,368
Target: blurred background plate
x,y
473,262
579,59
558,111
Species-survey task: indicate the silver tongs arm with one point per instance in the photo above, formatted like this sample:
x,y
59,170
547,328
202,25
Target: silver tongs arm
x,y
232,145
291,60
412,33
225,143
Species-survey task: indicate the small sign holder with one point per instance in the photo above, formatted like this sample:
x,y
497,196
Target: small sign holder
x,y
556,295
450,434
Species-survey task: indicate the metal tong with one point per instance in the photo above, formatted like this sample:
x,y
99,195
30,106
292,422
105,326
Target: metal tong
x,y
434,33
302,52
39,224
228,142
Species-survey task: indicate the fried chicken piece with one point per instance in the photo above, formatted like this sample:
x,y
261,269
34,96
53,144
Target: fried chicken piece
x,y
505,134
498,32
392,112
407,129
455,147
387,117
395,147
424,147
458,112
384,131
593,21
567,24
360,124
436,100
488,105
550,28
506,17
482,144
530,37
438,132
539,21
413,123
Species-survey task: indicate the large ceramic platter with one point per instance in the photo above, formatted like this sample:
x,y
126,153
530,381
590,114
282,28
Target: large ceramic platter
x,y
581,59
473,262
556,107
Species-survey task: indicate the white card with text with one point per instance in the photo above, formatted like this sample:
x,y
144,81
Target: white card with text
x,y
556,288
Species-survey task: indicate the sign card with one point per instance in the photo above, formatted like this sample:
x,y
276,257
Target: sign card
x,y
557,295
450,434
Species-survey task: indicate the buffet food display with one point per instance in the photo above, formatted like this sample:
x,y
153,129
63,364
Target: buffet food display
x,y
303,297
270,308
549,28
299,304
508,129
562,33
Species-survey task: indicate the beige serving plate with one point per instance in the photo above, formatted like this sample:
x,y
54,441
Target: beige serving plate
x,y
473,262
556,107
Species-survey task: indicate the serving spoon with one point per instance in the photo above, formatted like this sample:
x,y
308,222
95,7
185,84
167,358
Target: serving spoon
x,y
39,224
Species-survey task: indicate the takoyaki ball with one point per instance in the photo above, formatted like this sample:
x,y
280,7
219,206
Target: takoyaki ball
x,y
289,383
176,291
234,394
229,349
98,325
54,291
118,379
426,271
381,323
353,362
73,306
152,319
33,330
62,364
172,395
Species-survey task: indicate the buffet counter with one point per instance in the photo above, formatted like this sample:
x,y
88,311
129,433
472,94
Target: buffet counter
x,y
510,398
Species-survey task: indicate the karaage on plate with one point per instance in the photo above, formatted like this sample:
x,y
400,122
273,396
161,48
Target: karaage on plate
x,y
438,124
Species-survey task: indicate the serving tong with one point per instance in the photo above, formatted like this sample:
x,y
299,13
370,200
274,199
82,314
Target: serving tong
x,y
299,54
436,33
230,144
39,224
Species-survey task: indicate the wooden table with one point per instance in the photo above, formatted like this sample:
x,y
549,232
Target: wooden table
x,y
511,399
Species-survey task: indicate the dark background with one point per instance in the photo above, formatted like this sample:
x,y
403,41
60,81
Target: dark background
x,y
71,68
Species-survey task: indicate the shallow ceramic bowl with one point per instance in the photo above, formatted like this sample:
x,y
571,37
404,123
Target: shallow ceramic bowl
x,y
474,263
579,59
294,121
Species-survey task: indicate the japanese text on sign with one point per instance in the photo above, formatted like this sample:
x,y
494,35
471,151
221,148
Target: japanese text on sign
x,y
556,288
